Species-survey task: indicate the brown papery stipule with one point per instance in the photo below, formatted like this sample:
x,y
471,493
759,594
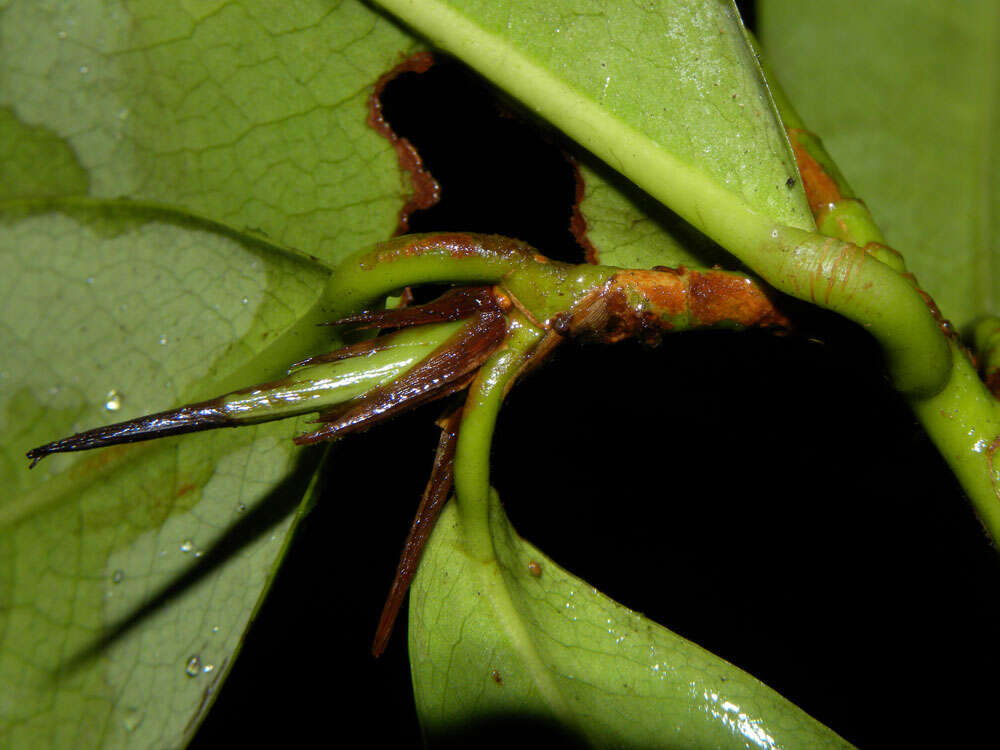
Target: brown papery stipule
x,y
434,497
447,369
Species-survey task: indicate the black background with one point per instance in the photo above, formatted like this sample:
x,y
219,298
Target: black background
x,y
768,497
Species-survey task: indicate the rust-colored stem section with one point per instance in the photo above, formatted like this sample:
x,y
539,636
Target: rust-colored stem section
x,y
822,188
646,304
433,500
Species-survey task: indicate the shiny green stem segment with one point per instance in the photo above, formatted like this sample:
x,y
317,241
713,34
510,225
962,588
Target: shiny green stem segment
x,y
836,207
842,277
317,387
963,417
472,453
963,420
827,272
369,275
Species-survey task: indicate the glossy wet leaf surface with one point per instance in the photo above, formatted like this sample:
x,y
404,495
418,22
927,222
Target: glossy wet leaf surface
x,y
628,228
905,98
520,644
251,113
130,574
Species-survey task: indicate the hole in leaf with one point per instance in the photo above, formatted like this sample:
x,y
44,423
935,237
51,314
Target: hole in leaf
x,y
498,173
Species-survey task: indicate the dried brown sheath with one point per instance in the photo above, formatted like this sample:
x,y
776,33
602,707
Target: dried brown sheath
x,y
445,370
434,497
454,304
361,349
211,414
205,415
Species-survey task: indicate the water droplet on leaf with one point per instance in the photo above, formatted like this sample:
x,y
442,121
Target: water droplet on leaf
x,y
187,545
117,576
132,719
193,668
113,401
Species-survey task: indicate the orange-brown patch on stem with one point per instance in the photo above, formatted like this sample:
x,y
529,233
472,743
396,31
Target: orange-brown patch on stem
x,y
716,297
426,190
644,304
821,189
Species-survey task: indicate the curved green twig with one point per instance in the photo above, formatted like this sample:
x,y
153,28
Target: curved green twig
x,y
472,453
962,416
797,262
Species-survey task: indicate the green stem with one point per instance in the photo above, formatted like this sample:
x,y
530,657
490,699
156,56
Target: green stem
x,y
472,453
844,278
963,421
836,208
369,275
962,418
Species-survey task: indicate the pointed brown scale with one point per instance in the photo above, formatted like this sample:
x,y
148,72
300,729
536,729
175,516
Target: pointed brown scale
x,y
454,304
444,371
433,500
338,412
206,415
361,349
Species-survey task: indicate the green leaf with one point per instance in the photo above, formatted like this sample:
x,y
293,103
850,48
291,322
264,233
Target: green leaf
x,y
905,97
627,228
36,163
667,94
129,575
519,642
251,113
